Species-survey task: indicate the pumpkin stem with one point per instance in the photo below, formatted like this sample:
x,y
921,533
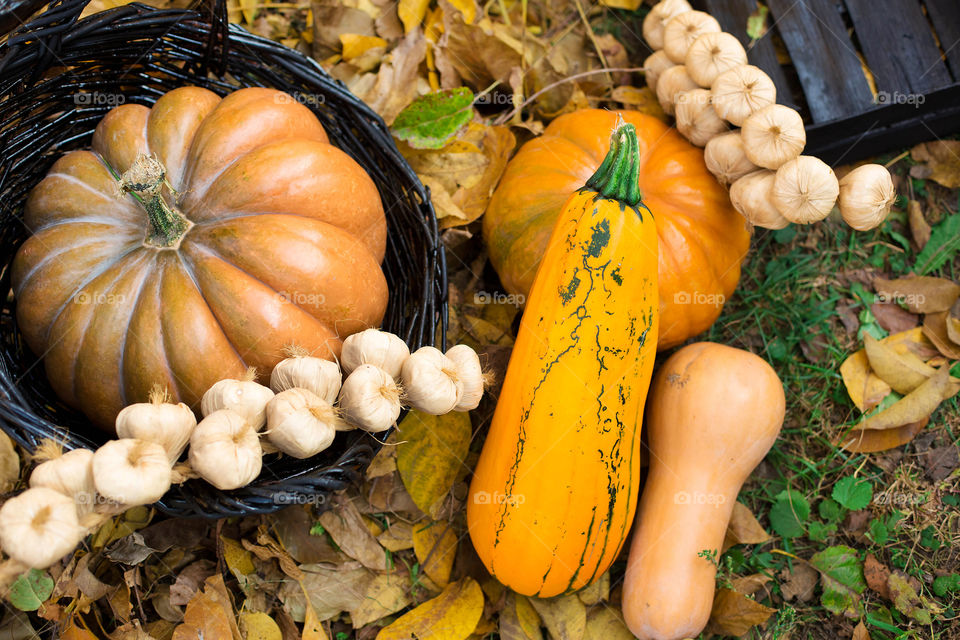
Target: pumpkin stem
x,y
145,181
619,173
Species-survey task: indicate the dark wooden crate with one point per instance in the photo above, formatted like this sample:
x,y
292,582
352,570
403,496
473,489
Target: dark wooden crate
x,y
911,47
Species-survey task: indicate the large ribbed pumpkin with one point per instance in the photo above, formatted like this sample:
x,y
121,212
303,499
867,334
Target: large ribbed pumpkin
x,y
195,239
702,238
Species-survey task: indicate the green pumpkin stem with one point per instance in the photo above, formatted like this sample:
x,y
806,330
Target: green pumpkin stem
x,y
618,176
145,181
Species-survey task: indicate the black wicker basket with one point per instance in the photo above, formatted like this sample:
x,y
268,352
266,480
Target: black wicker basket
x,y
140,53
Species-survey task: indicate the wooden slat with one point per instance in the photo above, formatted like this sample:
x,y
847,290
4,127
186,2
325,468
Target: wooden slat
x,y
898,45
945,16
732,16
824,57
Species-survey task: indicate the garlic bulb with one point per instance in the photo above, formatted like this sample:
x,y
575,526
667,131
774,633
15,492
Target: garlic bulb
x,y
657,19
131,472
39,526
711,54
372,346
431,382
160,421
682,31
303,371
866,195
70,474
751,195
466,363
740,91
246,397
696,119
805,190
655,64
670,84
225,450
300,423
773,135
726,159
370,398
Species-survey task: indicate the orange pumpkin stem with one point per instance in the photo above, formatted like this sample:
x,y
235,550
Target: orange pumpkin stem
x,y
618,177
145,181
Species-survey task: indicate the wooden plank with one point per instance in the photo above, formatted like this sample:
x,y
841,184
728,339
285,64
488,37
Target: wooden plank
x,y
945,16
824,57
732,16
899,48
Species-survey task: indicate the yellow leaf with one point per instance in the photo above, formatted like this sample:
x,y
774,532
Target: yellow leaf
x,y
355,45
249,8
565,617
411,13
938,327
606,623
629,5
397,537
597,591
452,615
435,544
915,406
430,454
871,440
734,614
259,626
865,388
498,144
639,99
238,559
312,629
743,528
942,157
904,372
209,614
386,594
518,619
466,7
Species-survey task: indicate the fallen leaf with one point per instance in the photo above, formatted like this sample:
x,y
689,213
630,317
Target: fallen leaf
x,y
906,600
913,407
387,494
876,574
209,614
734,614
798,583
860,632
864,387
397,537
386,594
841,577
893,317
238,559
757,23
606,623
743,528
292,528
920,294
848,318
565,617
411,13
940,462
518,619
872,441
396,84
431,120
430,454
936,329
256,625
597,591
641,99
497,145
919,228
485,52
942,246
435,545
943,159
270,549
749,585
189,581
912,341
30,589
386,459
452,615
9,463
628,5
348,529
904,372
332,589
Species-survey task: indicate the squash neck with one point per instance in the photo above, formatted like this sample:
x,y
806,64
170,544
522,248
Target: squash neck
x,y
618,177
145,181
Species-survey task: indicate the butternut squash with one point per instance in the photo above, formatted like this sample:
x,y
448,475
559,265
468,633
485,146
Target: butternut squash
x,y
714,413
555,488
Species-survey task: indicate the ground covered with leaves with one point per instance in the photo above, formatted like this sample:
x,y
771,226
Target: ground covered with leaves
x,y
842,532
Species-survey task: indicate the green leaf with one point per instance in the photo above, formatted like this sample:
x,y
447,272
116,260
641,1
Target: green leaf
x,y
943,243
942,585
929,539
906,600
819,532
790,510
853,493
878,531
757,23
841,576
785,235
829,510
432,119
30,590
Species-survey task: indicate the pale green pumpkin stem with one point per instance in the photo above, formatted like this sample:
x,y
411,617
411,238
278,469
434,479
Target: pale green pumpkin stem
x,y
145,181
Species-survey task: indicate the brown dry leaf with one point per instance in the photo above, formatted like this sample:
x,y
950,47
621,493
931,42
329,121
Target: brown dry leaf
x,y
876,574
734,614
209,614
431,453
332,589
606,623
864,387
269,549
386,594
639,99
518,619
189,580
435,544
953,323
484,52
349,530
332,18
497,145
872,441
9,463
597,591
386,459
920,294
919,227
749,585
893,317
942,157
565,617
935,327
397,80
799,583
860,632
913,407
743,528
940,462
904,372
292,527
397,537
452,615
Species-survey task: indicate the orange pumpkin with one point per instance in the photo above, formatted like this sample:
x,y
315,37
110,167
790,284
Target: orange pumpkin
x,y
246,232
702,238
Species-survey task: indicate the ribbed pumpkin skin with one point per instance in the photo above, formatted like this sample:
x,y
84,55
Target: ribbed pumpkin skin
x,y
555,489
287,236
702,238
